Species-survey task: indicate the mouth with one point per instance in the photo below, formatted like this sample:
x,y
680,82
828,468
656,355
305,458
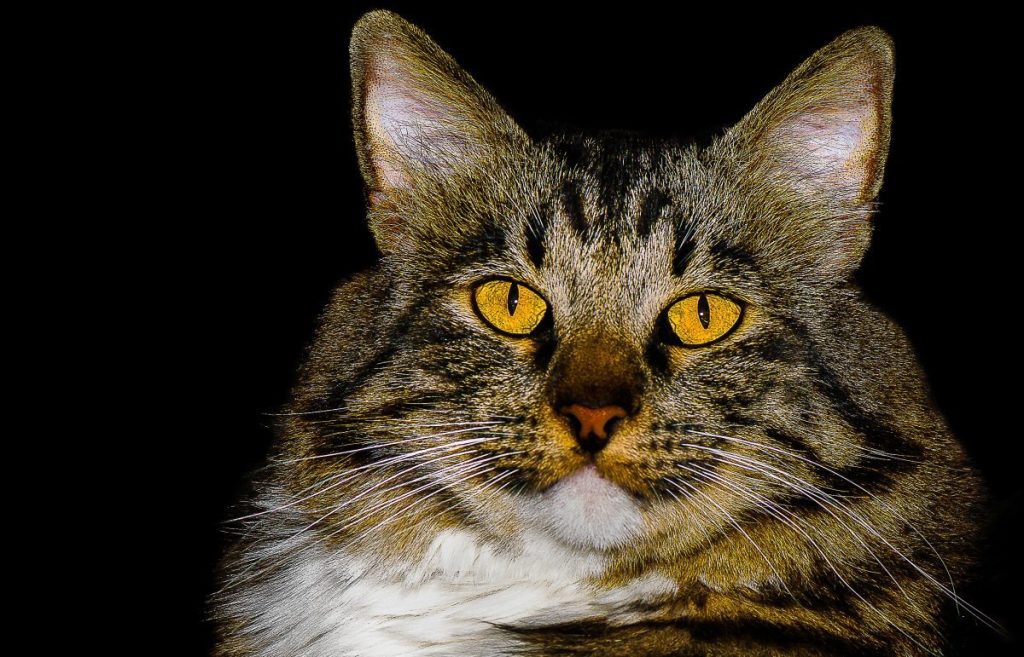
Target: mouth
x,y
608,469
586,479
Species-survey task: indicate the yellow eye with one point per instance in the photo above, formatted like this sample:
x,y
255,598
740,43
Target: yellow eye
x,y
703,318
509,307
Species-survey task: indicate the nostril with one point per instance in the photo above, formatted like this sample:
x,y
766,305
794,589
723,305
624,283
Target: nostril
x,y
574,423
612,425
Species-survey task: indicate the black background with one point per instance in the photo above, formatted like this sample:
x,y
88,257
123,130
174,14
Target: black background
x,y
266,206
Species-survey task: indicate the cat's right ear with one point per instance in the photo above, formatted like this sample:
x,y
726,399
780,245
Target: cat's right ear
x,y
817,145
418,118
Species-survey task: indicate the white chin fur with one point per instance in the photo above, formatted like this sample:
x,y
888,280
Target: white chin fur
x,y
585,510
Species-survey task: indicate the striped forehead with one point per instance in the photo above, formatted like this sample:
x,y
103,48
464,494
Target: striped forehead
x,y
614,190
611,223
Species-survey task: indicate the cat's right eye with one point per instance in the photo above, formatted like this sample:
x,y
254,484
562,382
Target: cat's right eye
x,y
703,318
509,306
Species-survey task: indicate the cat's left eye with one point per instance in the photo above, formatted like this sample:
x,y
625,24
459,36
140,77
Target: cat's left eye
x,y
700,319
509,306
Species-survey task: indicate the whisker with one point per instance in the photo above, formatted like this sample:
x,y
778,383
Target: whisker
x,y
850,587
349,474
479,488
830,499
725,481
740,529
366,491
474,468
471,465
383,445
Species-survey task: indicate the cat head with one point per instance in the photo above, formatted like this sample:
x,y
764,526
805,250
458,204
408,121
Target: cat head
x,y
580,334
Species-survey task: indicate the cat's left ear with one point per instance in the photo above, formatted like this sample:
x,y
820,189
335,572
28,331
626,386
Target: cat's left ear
x,y
818,142
419,119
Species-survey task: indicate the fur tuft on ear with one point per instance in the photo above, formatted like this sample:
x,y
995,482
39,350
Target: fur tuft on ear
x,y
821,138
418,117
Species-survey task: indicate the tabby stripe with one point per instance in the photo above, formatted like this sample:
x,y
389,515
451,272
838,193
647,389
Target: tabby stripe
x,y
598,638
651,208
572,208
876,433
732,258
536,231
684,247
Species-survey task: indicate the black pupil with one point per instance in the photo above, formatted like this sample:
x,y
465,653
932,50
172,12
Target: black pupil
x,y
513,299
703,311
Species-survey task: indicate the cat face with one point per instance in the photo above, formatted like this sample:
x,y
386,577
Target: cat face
x,y
605,338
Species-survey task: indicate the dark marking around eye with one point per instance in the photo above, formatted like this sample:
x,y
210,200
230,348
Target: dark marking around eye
x,y
703,311
731,257
656,355
545,351
513,298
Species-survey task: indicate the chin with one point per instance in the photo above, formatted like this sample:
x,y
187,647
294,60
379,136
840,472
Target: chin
x,y
585,511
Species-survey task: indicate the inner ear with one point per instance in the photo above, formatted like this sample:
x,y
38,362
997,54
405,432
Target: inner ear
x,y
419,119
415,123
833,149
824,132
811,154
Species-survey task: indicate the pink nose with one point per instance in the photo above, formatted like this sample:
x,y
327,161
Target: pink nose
x,y
593,423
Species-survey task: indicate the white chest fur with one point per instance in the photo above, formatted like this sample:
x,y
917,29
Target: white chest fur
x,y
448,604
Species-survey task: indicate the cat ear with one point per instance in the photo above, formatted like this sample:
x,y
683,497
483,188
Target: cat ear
x,y
418,118
820,139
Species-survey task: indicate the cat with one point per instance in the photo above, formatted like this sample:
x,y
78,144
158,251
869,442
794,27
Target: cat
x,y
606,394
